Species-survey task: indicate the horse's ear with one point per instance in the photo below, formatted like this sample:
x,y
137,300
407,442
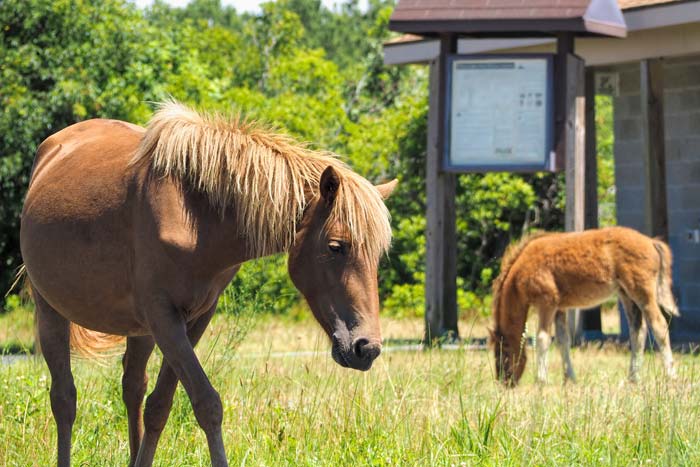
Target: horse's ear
x,y
329,184
385,189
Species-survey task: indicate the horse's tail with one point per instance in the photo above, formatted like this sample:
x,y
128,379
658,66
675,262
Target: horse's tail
x,y
21,283
91,344
83,342
664,292
511,254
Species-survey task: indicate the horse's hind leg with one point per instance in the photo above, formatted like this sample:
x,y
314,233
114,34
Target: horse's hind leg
x,y
638,335
659,326
564,342
54,336
160,401
134,382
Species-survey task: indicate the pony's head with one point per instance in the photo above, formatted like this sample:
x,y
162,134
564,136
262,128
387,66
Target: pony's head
x,y
510,357
333,262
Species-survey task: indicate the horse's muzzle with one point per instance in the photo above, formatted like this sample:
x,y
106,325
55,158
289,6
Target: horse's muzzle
x,y
358,355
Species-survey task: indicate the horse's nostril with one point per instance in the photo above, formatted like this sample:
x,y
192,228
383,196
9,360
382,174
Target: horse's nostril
x,y
365,350
359,347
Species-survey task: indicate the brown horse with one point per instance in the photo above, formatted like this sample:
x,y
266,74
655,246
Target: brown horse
x,y
555,271
135,232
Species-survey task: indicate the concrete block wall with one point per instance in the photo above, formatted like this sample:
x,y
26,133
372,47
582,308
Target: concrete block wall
x,y
682,125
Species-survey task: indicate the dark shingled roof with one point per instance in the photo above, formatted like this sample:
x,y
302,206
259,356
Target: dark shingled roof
x,y
508,17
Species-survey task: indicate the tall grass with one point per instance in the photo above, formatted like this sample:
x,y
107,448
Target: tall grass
x,y
438,408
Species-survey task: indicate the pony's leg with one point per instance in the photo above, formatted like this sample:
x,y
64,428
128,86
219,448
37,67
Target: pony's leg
x,y
659,326
544,339
134,383
564,342
638,335
54,336
160,401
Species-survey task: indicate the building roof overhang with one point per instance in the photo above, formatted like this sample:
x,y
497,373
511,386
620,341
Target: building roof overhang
x,y
508,18
673,21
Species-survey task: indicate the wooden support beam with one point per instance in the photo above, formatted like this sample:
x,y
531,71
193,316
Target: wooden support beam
x,y
570,145
591,177
574,145
651,92
565,46
440,236
591,323
653,147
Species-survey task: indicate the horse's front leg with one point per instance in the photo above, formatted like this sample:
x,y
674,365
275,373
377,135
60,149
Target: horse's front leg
x,y
564,342
134,383
160,401
544,339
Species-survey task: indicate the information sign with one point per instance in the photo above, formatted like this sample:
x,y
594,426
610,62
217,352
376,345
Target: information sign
x,y
499,113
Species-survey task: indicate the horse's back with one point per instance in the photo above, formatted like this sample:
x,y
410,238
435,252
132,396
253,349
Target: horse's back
x,y
592,243
76,222
584,268
80,135
84,149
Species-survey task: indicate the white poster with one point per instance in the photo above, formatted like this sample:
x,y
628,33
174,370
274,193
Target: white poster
x,y
498,114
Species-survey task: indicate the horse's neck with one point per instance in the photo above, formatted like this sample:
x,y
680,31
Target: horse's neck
x,y
511,315
240,248
219,240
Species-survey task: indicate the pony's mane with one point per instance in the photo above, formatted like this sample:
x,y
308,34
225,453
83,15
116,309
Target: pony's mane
x,y
269,177
511,255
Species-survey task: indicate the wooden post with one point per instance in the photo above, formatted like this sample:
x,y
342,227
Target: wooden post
x,y
575,146
591,323
565,46
591,198
571,143
440,235
653,146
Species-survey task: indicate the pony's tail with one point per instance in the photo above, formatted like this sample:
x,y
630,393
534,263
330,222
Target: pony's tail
x,y
91,344
83,342
664,293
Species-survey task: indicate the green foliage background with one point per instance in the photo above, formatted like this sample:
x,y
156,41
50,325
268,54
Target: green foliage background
x,y
310,71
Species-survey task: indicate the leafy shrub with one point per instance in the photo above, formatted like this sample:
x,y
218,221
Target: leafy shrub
x,y
264,286
405,301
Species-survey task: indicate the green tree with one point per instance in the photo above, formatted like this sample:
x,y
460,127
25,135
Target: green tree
x,y
62,62
606,161
310,71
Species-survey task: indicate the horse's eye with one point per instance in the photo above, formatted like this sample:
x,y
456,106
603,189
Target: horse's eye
x,y
335,246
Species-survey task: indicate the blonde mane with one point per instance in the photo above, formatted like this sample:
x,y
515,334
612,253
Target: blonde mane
x,y
511,254
270,178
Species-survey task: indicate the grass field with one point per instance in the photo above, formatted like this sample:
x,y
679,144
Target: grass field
x,y
436,408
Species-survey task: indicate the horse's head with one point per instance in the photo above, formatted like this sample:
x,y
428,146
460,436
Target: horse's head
x,y
510,357
337,276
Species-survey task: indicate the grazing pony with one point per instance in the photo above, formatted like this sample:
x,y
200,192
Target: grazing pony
x,y
555,271
136,232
